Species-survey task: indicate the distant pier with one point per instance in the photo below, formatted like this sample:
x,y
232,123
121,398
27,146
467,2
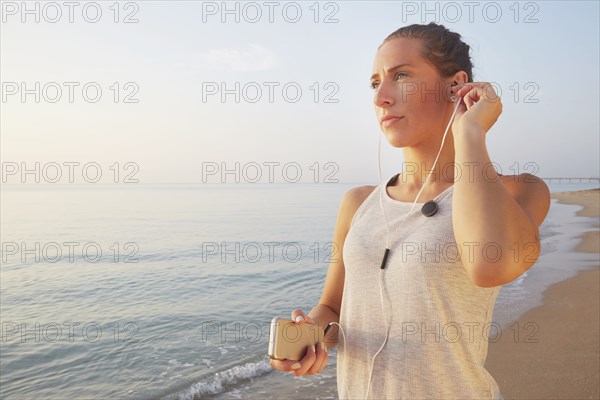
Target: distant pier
x,y
571,180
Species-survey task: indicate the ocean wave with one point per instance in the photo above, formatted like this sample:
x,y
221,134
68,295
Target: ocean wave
x,y
223,380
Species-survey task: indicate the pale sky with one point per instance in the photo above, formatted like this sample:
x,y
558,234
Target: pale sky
x,y
178,52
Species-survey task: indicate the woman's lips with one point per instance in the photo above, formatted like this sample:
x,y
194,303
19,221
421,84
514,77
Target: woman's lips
x,y
390,121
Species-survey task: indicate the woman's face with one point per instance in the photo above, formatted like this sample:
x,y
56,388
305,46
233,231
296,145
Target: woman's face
x,y
406,86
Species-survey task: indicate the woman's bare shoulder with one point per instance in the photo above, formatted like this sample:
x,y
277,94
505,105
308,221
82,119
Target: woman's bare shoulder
x,y
524,180
357,195
531,193
352,200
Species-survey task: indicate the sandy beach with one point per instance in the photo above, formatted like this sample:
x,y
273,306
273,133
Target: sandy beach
x,y
556,356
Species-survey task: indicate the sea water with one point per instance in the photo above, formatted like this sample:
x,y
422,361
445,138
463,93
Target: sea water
x,y
166,291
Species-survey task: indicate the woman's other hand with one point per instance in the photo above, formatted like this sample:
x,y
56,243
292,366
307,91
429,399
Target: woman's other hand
x,y
315,359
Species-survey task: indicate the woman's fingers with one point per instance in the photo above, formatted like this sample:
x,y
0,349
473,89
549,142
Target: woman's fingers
x,y
470,95
313,362
307,361
283,365
299,317
462,88
321,361
476,91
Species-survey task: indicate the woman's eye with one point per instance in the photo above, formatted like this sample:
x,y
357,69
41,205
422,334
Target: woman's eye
x,y
374,85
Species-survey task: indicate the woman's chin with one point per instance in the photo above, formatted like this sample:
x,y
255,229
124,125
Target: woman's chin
x,y
396,139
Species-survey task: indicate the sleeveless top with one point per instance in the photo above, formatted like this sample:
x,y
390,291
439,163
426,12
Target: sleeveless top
x,y
440,320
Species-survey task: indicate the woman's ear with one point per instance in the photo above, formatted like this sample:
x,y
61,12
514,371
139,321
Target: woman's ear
x,y
450,95
460,77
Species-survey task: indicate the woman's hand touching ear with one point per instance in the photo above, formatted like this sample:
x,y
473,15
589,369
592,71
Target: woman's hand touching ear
x,y
479,109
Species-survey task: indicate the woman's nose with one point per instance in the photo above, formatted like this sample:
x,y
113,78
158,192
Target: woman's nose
x,y
383,96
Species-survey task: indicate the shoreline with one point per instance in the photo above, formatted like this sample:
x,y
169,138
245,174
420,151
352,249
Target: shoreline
x,y
553,351
590,200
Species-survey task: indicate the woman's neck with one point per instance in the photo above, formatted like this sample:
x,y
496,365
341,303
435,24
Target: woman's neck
x,y
418,165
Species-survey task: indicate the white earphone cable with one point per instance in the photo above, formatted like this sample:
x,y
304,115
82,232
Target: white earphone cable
x,y
382,188
387,237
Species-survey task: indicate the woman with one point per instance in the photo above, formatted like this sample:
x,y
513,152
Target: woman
x,y
422,331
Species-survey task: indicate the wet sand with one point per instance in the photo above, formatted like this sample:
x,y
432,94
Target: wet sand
x,y
553,351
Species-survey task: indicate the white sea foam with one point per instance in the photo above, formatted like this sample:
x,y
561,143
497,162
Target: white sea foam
x,y
222,380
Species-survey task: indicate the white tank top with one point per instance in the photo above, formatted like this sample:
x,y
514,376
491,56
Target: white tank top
x,y
440,323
